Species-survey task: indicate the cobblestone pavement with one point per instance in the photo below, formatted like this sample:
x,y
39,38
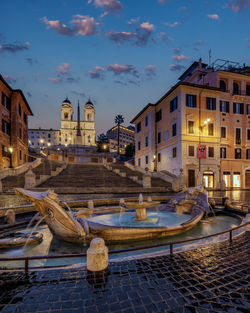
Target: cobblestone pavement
x,y
209,279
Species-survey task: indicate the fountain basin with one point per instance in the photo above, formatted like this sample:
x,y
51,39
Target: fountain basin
x,y
21,239
108,226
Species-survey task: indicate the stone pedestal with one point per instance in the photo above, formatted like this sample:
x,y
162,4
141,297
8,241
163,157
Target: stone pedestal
x,y
97,255
91,205
10,217
30,179
146,180
141,214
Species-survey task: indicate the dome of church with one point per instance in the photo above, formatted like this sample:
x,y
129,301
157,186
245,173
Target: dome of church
x,y
89,105
66,103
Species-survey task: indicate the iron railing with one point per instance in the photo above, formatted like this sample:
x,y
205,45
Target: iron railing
x,y
170,244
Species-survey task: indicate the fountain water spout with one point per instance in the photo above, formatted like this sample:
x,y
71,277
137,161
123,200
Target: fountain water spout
x,y
140,199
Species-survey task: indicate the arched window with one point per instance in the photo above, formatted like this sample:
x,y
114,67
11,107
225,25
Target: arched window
x,y
89,117
223,85
66,116
235,88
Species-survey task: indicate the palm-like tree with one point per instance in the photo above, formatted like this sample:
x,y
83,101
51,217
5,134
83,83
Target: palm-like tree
x,y
119,119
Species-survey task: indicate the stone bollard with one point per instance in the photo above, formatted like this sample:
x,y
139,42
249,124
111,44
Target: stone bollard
x,y
247,219
10,217
97,255
146,180
91,205
30,179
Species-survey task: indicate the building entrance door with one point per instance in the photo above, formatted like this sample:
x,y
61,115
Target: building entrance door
x,y
247,179
208,178
191,178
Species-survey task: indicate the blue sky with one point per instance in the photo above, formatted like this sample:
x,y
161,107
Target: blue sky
x,y
121,54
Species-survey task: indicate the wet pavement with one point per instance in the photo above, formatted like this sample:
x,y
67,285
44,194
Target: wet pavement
x,y
209,279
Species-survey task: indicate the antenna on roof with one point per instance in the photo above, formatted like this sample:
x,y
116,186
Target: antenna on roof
x,y
209,57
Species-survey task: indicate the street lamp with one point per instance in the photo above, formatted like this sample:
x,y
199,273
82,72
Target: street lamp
x,y
11,150
154,161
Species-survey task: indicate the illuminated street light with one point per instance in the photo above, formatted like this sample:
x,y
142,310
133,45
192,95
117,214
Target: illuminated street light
x,y
49,144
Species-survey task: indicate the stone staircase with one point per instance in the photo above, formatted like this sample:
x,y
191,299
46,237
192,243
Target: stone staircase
x,y
42,172
137,176
88,176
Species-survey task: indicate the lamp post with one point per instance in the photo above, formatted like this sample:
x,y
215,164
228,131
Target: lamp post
x,y
154,161
11,151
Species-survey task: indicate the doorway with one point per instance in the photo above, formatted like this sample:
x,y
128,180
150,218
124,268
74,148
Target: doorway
x,y
191,178
247,179
208,178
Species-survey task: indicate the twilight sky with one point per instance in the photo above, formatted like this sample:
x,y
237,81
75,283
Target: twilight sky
x,y
122,54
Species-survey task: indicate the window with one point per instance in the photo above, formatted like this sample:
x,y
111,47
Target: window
x,y
20,154
6,127
235,88
6,102
146,159
238,136
248,109
210,152
139,145
223,153
138,127
173,104
49,136
226,178
248,154
223,85
224,106
20,133
238,108
210,129
139,162
66,116
191,127
20,109
191,101
159,157
165,135
159,137
211,103
236,179
174,130
248,134
223,132
237,153
248,90
146,141
25,117
146,121
191,151
174,152
158,116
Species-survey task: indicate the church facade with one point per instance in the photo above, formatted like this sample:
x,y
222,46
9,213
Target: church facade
x,y
72,132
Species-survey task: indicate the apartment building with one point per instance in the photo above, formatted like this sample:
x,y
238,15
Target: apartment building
x,y
201,126
126,137
14,112
43,138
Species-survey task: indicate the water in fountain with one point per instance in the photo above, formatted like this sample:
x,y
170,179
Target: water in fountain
x,y
34,229
68,207
31,221
140,199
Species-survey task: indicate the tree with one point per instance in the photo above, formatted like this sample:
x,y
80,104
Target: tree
x,y
119,119
130,150
102,143
102,138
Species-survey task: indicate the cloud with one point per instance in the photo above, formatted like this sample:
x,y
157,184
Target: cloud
x,y
176,67
31,61
72,79
164,37
238,5
9,79
29,94
79,94
123,69
108,5
14,47
97,74
120,82
177,50
133,21
82,25
172,24
55,80
63,69
179,57
213,16
150,70
139,37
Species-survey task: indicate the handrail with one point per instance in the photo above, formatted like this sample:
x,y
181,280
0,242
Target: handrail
x,y
171,244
